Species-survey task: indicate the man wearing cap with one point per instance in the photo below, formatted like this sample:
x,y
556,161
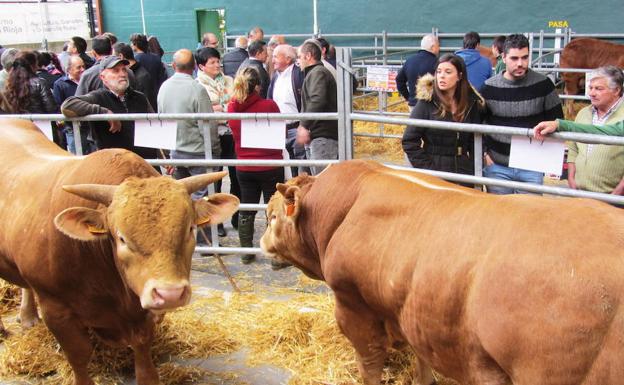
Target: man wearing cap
x,y
117,97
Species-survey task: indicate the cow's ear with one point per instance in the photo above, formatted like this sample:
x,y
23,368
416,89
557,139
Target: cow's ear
x,y
82,223
215,208
291,196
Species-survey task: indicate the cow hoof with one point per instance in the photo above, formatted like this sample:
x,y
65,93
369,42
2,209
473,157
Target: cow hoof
x,y
28,323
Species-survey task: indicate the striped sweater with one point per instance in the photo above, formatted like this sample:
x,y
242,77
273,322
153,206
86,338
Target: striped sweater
x,y
599,167
521,103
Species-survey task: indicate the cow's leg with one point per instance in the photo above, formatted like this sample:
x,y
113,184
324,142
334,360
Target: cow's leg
x,y
422,373
144,368
28,309
368,336
72,337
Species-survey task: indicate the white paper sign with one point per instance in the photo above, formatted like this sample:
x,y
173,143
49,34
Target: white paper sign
x,y
263,133
46,127
156,133
531,154
32,22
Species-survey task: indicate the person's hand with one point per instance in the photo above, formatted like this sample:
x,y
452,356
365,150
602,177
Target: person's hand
x,y
115,126
217,108
572,183
544,128
303,135
487,160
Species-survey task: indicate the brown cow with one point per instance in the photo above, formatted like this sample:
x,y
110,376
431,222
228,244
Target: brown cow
x,y
123,253
487,289
587,53
487,53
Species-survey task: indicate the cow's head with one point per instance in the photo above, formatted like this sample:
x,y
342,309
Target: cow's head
x,y
152,224
283,239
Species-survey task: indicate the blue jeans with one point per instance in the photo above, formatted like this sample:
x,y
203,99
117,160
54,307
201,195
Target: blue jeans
x,y
497,171
322,149
71,143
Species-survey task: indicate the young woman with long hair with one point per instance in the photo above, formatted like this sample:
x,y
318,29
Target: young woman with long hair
x,y
24,91
446,97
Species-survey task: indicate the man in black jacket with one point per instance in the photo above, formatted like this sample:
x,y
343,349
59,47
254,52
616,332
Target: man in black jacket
x,y
422,62
144,81
116,97
318,94
257,56
233,59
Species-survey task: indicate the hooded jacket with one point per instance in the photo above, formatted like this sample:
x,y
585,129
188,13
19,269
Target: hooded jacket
x,y
253,103
441,150
479,68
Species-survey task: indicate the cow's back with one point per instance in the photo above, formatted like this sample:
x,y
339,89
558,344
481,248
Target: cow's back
x,y
591,53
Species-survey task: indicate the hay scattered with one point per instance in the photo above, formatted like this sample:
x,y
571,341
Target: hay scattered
x,y
381,149
296,331
9,297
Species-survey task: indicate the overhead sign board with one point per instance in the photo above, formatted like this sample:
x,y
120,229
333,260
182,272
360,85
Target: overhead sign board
x,y
32,22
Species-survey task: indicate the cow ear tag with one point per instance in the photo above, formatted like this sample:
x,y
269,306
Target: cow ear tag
x,y
96,230
290,209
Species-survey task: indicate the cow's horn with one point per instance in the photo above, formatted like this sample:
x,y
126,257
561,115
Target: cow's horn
x,y
197,182
101,193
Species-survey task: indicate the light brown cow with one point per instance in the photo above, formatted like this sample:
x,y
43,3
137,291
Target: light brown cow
x,y
487,53
487,289
587,53
123,253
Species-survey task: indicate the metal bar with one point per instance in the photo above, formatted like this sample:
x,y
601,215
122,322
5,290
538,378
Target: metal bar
x,y
340,80
204,126
616,199
490,129
198,116
238,162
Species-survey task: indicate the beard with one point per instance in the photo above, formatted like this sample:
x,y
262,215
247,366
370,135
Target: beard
x,y
118,86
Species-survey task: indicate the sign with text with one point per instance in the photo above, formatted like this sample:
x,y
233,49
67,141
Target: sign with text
x,y
32,22
381,78
263,133
156,134
530,154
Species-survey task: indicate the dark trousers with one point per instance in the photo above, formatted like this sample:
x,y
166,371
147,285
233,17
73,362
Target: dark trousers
x,y
252,184
227,152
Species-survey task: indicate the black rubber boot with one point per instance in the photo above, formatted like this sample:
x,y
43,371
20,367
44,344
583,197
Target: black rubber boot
x,y
245,235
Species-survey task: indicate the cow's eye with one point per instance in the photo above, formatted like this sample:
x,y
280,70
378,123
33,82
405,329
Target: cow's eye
x,y
122,240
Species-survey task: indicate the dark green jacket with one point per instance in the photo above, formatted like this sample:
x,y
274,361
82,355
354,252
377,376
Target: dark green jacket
x,y
318,94
608,129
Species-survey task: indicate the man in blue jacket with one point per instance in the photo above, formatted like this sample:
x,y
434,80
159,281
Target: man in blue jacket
x,y
479,68
422,62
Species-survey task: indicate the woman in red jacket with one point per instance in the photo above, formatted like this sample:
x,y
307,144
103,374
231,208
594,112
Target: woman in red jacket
x,y
253,180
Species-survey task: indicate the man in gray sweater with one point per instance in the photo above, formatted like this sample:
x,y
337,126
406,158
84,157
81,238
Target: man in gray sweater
x,y
182,94
318,94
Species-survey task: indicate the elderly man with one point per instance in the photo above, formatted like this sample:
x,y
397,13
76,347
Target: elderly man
x,y
209,40
517,97
257,56
62,89
182,94
115,98
233,59
255,34
7,58
599,167
422,62
318,94
285,90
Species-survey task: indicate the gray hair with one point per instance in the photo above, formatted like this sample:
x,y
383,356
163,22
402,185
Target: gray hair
x,y
288,50
241,42
8,57
614,76
428,41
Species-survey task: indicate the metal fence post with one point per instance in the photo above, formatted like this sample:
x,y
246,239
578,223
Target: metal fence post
x,y
382,97
205,128
345,101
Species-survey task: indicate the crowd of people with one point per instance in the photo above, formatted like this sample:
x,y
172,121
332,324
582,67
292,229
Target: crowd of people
x,y
130,77
256,76
462,87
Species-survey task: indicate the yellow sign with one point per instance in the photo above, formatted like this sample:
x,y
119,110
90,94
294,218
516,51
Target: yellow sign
x,y
558,24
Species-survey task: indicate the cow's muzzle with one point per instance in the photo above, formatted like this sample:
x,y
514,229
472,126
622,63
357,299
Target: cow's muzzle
x,y
164,296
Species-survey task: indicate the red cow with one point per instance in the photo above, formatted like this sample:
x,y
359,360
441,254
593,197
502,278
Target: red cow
x,y
123,253
487,289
